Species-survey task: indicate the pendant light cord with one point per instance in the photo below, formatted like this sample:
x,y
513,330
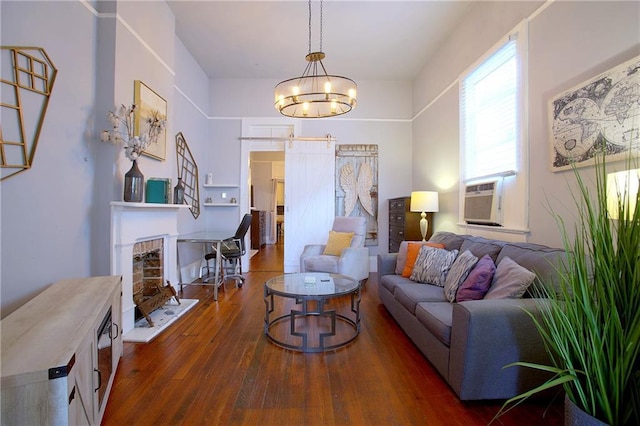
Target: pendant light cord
x,y
310,26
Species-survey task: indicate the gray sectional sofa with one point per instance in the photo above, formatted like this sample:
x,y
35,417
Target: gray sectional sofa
x,y
470,342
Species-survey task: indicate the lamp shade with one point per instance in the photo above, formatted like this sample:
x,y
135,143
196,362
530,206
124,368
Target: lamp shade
x,y
424,201
622,192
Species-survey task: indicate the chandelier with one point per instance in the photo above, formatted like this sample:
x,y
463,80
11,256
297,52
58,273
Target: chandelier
x,y
315,94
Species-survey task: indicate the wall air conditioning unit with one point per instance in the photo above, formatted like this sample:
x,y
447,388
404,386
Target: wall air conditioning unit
x,y
483,203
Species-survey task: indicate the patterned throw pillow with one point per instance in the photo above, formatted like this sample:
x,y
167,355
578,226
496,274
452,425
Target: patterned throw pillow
x,y
432,265
478,281
510,280
458,273
413,249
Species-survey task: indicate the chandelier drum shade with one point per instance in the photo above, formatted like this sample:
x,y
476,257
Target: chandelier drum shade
x,y
315,94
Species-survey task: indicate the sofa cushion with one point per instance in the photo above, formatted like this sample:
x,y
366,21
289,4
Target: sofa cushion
x,y
337,242
543,261
477,283
390,282
413,249
450,240
409,295
510,280
437,318
479,246
458,273
432,265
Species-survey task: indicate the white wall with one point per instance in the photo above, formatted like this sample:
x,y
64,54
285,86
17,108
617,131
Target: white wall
x,y
45,224
382,117
586,39
55,217
569,42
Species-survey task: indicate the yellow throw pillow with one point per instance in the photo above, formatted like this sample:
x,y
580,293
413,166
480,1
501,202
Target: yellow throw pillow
x,y
337,242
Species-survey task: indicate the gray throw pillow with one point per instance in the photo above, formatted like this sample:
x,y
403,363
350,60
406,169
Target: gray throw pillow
x,y
458,273
432,265
510,280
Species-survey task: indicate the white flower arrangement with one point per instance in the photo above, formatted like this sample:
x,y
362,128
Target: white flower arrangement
x,y
123,128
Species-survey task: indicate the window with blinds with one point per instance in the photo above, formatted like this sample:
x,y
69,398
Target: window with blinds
x,y
490,102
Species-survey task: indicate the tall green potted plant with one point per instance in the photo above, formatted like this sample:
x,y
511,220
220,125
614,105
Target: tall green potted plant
x,y
591,327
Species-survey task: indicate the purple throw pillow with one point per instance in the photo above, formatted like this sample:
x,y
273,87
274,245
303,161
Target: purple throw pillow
x,y
478,281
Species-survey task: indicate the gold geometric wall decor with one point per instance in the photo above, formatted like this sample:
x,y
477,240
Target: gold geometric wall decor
x,y
188,172
26,79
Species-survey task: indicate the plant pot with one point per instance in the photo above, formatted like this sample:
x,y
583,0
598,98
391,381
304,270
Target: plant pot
x,y
575,416
133,184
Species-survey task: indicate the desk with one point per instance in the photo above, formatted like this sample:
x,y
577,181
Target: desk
x,y
205,238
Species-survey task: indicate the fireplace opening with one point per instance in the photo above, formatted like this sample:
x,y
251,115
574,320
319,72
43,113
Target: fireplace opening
x,y
148,277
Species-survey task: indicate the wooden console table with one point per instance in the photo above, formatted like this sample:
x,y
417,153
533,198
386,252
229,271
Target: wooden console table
x,y
60,352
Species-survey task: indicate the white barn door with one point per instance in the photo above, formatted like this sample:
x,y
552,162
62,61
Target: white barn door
x,y
309,169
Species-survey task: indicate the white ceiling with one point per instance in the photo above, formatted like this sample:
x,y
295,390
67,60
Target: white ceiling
x,y
363,40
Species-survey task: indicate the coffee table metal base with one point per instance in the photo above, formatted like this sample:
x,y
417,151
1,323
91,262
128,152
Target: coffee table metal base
x,y
308,310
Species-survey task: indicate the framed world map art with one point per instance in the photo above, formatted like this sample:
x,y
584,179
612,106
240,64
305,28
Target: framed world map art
x,y
601,115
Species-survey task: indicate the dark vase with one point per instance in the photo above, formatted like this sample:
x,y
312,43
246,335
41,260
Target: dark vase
x,y
575,416
133,184
178,192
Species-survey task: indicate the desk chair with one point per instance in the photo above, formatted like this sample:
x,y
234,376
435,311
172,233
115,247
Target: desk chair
x,y
231,251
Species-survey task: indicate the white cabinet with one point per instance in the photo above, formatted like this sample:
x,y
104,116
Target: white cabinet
x,y
60,352
216,195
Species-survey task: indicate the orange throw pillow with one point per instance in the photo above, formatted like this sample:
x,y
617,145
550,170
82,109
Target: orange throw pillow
x,y
412,254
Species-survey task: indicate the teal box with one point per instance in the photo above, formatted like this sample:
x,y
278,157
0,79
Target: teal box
x,y
157,191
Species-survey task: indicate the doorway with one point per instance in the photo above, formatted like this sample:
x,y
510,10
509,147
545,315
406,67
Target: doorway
x,y
267,182
309,186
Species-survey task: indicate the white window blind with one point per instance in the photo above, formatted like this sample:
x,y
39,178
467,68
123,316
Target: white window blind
x,y
490,114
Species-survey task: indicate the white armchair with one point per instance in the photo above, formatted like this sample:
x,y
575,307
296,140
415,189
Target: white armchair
x,y
353,260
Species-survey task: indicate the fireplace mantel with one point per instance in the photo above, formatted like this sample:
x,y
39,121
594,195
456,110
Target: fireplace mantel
x,y
135,222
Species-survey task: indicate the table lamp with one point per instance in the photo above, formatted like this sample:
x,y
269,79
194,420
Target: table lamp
x,y
424,201
622,193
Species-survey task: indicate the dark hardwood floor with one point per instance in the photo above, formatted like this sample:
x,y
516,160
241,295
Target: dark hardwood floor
x,y
214,366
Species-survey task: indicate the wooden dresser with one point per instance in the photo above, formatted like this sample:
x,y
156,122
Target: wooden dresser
x,y
258,229
404,225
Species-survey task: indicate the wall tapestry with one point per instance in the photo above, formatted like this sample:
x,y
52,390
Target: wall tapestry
x,y
27,76
599,115
357,185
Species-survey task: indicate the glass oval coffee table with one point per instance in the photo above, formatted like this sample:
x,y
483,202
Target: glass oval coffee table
x,y
298,314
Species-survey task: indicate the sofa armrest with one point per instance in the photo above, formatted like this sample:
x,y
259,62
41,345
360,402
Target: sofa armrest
x,y
310,250
486,335
386,264
354,262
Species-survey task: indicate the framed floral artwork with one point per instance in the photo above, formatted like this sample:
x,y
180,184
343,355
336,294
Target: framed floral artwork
x,y
150,106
